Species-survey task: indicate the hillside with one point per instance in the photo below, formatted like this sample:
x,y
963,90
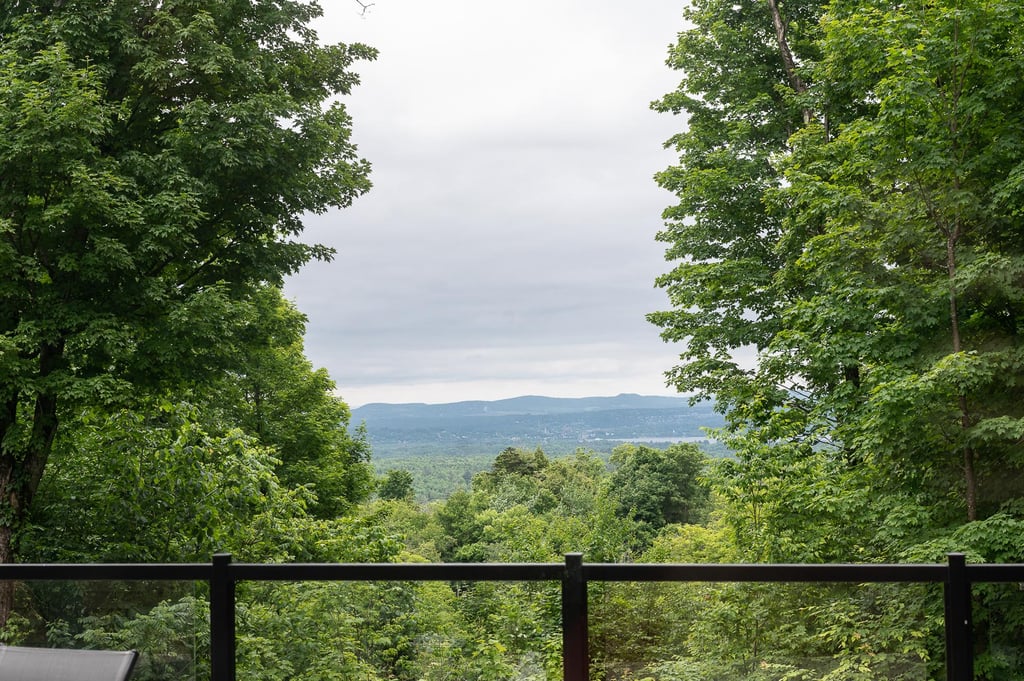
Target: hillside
x,y
556,424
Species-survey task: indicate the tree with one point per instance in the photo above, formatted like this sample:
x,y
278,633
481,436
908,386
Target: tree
x,y
516,461
157,158
464,531
856,231
658,487
274,394
920,197
396,485
151,484
871,262
740,111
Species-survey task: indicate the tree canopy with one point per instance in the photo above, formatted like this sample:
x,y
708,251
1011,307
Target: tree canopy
x,y
846,279
157,160
857,235
658,487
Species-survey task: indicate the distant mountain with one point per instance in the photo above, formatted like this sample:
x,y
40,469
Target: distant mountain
x,y
556,424
529,404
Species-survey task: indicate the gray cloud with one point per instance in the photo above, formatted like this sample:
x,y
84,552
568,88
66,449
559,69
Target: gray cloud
x,y
508,243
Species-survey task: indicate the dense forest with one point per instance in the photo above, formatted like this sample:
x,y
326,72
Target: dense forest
x,y
846,285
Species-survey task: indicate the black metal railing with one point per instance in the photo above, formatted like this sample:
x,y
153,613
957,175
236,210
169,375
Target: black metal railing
x,y
223,575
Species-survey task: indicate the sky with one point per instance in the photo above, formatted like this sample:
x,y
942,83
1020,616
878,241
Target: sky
x,y
508,244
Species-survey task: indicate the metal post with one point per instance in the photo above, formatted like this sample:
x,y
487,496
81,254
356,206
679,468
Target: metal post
x,y
959,633
575,655
222,619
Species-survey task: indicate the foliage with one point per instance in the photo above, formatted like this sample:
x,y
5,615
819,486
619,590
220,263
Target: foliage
x,y
397,484
274,394
512,461
880,326
154,488
173,639
513,630
437,475
216,474
659,487
158,157
845,284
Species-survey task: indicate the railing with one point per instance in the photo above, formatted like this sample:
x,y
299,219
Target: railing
x,y
222,575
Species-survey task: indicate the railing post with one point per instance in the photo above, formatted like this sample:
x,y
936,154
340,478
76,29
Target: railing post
x,y
575,656
222,619
959,635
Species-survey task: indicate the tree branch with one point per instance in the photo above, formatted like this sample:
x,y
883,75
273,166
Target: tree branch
x,y
788,62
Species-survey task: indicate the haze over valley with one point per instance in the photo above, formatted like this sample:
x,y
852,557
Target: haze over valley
x,y
557,425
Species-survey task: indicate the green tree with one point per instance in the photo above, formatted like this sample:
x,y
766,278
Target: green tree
x,y
658,487
396,485
464,531
855,231
576,482
515,461
274,394
152,484
919,197
871,262
740,111
157,158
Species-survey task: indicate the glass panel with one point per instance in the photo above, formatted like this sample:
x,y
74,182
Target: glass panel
x,y
766,632
167,622
429,631
999,631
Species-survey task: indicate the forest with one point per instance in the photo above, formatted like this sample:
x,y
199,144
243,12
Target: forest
x,y
845,281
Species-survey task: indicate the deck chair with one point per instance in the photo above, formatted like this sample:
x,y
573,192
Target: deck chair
x,y
62,664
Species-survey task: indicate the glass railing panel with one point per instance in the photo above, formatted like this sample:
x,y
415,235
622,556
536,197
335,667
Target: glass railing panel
x,y
998,618
696,631
417,631
167,622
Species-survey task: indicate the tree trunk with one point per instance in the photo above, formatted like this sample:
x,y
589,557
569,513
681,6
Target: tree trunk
x,y
788,62
22,466
970,477
6,586
969,455
19,480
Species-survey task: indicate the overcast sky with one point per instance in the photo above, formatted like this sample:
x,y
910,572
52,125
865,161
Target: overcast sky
x,y
507,246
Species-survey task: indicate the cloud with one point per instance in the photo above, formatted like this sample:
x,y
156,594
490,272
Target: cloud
x,y
438,375
508,243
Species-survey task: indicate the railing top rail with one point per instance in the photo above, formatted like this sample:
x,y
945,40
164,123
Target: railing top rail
x,y
762,572
996,572
606,572
107,571
493,572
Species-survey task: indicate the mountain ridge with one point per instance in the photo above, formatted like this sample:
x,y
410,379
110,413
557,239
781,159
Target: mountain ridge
x,y
525,404
554,423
